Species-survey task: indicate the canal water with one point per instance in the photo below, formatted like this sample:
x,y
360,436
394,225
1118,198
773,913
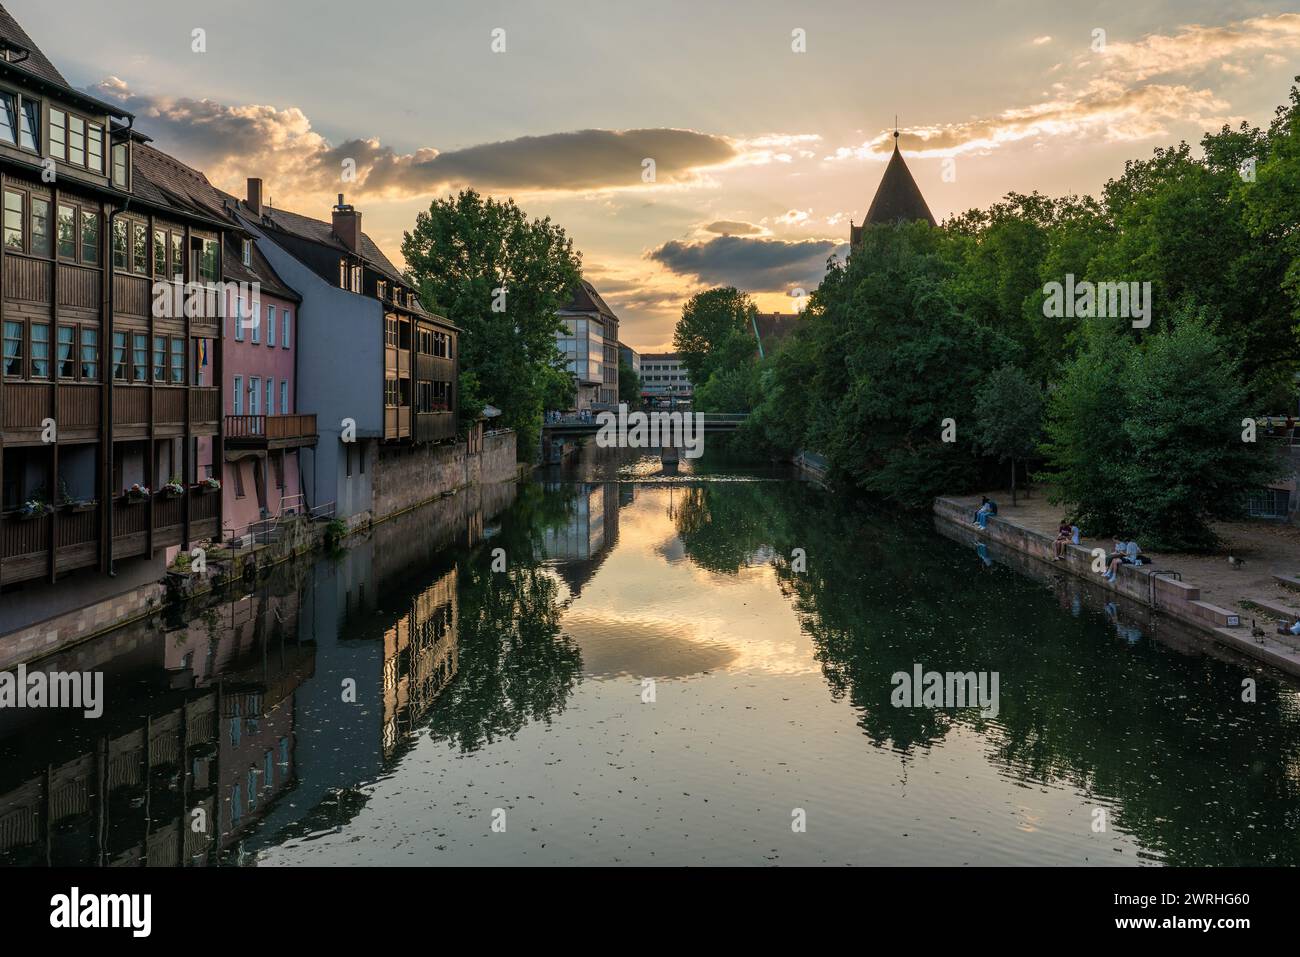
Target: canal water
x,y
619,665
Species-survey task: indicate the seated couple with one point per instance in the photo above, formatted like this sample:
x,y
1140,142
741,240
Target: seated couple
x,y
987,507
1067,534
1125,553
1284,629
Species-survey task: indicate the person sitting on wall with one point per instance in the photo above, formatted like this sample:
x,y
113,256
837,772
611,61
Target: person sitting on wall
x,y
1284,629
1126,553
987,507
1064,535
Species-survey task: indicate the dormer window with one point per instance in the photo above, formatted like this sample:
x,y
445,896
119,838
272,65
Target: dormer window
x,y
381,289
343,274
19,121
77,141
120,178
356,279
248,252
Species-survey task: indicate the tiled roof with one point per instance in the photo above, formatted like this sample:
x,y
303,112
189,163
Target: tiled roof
x,y
37,62
586,299
259,270
166,181
775,326
317,231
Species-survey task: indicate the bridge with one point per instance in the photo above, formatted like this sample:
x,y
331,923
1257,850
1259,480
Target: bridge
x,y
578,425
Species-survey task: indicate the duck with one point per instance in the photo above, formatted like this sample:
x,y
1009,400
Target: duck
x,y
1235,562
1256,631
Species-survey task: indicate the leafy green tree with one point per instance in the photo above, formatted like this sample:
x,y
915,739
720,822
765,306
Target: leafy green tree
x,y
629,385
501,278
716,331
1008,416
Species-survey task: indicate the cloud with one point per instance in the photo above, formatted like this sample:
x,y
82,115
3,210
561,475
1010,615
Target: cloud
x,y
1039,41
1114,99
753,265
733,227
232,142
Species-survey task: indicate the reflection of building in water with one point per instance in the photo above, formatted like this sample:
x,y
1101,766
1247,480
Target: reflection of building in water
x,y
579,546
195,742
420,658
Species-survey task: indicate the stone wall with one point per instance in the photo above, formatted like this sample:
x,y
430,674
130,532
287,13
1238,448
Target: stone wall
x,y
67,629
407,476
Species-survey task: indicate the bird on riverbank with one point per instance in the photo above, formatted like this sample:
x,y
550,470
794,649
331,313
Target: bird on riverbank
x,y
1235,562
1256,631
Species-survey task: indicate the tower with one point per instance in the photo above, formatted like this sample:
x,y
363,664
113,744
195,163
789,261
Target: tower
x,y
897,199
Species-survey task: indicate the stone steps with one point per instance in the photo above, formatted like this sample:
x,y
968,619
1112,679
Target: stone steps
x,y
1288,581
1277,609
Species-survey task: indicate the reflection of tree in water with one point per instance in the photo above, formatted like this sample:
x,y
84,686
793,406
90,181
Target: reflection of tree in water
x,y
1193,771
515,665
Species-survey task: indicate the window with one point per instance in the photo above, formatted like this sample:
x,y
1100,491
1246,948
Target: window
x,y
356,279
29,137
159,359
95,148
40,227
89,353
13,349
139,248
284,402
248,252
160,254
270,325
58,134
241,313
381,289
284,338
119,165
210,264
390,392
76,140
177,269
140,357
254,395
257,326
8,118
67,232
89,238
13,220
343,274
119,243
390,332
238,396
119,357
66,350
178,360
40,350
270,396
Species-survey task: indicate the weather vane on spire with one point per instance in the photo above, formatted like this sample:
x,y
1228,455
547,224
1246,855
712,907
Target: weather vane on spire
x,y
895,126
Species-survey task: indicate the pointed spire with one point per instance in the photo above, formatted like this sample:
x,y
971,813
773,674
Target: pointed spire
x,y
898,198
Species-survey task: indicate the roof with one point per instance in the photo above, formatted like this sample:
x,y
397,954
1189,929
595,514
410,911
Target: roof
x,y
165,181
322,233
259,269
586,299
775,326
661,356
898,198
37,63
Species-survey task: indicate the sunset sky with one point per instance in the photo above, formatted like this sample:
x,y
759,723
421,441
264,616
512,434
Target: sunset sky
x,y
763,155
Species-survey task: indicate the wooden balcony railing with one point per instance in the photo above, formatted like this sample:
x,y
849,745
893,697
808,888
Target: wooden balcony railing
x,y
205,406
296,429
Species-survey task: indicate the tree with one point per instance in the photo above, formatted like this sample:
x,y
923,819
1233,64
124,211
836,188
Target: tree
x,y
1147,442
1008,416
716,331
629,385
501,277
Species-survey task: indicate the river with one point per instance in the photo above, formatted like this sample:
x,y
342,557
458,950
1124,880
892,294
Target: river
x,y
617,665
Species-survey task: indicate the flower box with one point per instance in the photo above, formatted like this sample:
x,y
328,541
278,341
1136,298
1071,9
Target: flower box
x,y
86,506
173,490
137,493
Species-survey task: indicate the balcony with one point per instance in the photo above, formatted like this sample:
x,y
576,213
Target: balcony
x,y
25,543
270,431
435,426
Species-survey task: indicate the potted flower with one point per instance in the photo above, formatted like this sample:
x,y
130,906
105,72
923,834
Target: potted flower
x,y
138,493
33,508
72,503
208,484
173,488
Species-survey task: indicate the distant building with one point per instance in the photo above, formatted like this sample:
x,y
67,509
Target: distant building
x,y
897,199
630,357
589,344
771,328
663,376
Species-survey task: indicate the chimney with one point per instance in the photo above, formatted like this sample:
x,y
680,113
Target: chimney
x,y
255,195
347,226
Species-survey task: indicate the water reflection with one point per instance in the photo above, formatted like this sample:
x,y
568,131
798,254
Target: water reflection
x,y
490,651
